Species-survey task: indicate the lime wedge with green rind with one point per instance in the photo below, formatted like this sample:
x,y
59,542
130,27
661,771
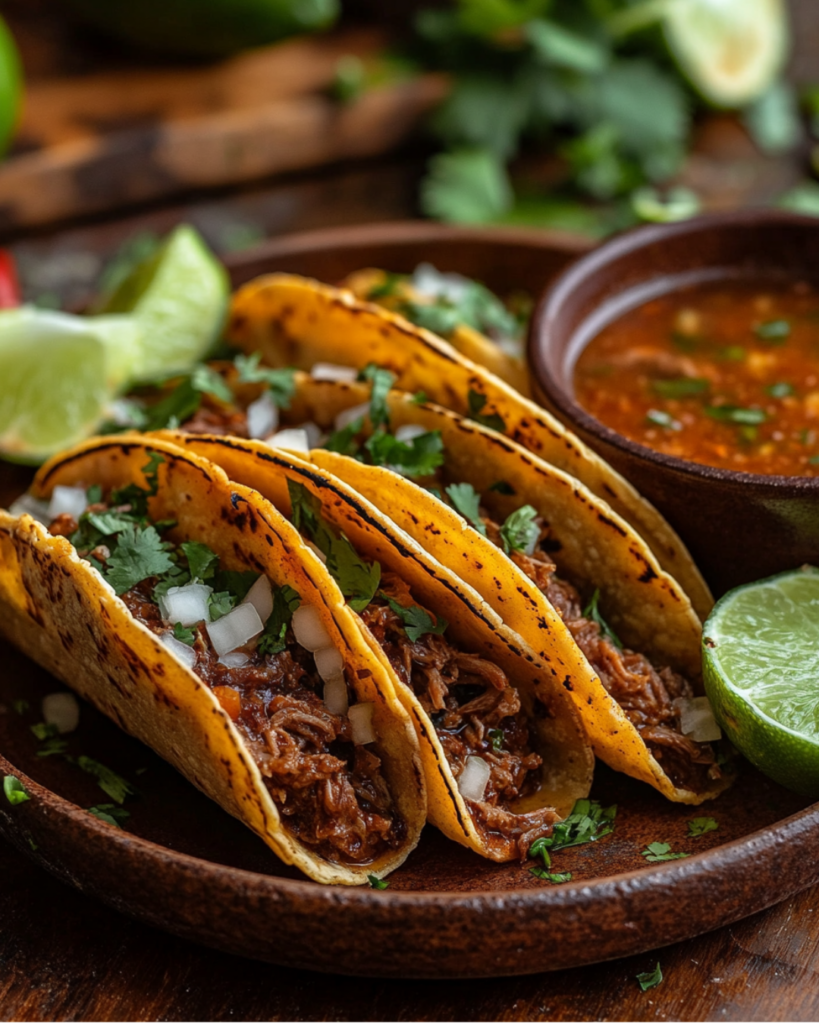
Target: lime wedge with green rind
x,y
730,50
761,671
54,382
178,297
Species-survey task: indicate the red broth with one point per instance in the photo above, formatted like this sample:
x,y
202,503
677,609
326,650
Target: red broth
x,y
723,373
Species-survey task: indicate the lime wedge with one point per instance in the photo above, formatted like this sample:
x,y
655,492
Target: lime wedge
x,y
730,50
179,297
760,658
56,378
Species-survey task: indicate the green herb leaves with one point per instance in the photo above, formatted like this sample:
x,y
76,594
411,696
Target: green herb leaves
x,y
377,883
701,826
381,380
555,877
466,500
680,387
417,621
285,602
109,782
280,383
587,823
520,531
139,554
14,790
773,331
416,458
654,853
735,414
650,979
111,814
591,611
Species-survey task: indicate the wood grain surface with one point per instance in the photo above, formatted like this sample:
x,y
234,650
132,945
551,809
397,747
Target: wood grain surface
x,y
64,957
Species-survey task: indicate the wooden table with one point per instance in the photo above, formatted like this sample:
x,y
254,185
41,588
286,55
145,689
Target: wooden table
x,y
64,957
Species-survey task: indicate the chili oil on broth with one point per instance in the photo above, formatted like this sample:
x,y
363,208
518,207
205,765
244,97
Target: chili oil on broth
x,y
721,373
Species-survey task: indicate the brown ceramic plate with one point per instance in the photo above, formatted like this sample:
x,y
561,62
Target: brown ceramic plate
x,y
184,865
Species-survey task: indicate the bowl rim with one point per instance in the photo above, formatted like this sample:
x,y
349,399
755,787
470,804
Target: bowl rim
x,y
591,264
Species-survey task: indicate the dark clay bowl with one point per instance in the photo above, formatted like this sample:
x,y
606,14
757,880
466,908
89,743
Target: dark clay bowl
x,y
738,526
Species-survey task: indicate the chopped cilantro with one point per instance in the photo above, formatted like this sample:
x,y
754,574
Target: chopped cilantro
x,y
700,826
773,330
54,745
587,823
219,604
419,457
650,979
467,501
491,420
496,736
520,530
15,790
780,390
235,583
93,494
109,782
136,496
381,380
386,287
44,730
663,419
592,612
656,852
735,414
377,883
502,487
108,524
440,317
20,706
285,602
419,398
139,555
556,878
181,403
417,621
207,381
281,383
110,814
184,633
202,562
344,441
681,387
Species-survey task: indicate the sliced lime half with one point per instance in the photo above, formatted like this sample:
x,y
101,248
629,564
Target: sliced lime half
x,y
761,669
178,297
731,50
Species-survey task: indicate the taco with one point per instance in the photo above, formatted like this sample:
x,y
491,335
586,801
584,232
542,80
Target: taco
x,y
504,749
456,308
294,321
189,611
559,568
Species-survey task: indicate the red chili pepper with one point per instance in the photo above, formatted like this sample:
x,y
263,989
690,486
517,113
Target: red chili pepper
x,y
10,296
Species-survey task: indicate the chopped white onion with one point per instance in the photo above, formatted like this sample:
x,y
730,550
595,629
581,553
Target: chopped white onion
x,y
332,371
62,710
335,696
314,547
292,440
186,605
329,663
431,283
313,432
262,416
27,504
408,432
260,596
348,416
186,654
309,630
67,500
473,779
234,630
361,719
236,659
697,719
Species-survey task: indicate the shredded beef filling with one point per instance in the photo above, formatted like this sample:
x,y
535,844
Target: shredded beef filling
x,y
330,791
475,711
644,693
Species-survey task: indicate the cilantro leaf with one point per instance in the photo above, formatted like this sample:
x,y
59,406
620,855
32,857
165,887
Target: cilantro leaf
x,y
176,407
377,883
220,604
556,878
93,494
700,826
344,441
15,790
467,501
441,317
110,814
357,579
419,398
109,523
520,530
207,381
591,612
419,457
138,556
497,738
280,382
202,562
44,730
656,852
587,823
467,186
650,979
491,420
54,745
417,621
109,782
381,380
184,633
285,602
136,496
